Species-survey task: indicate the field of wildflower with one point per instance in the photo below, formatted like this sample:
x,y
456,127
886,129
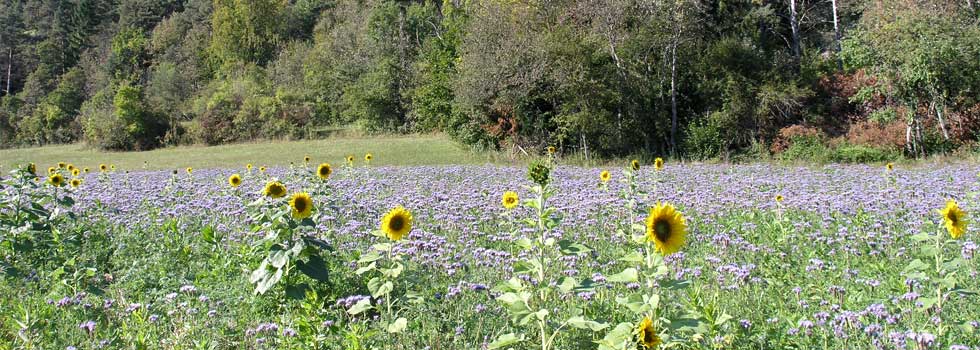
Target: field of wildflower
x,y
548,256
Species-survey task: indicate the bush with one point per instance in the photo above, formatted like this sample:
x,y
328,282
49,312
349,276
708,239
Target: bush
x,y
863,154
122,121
705,139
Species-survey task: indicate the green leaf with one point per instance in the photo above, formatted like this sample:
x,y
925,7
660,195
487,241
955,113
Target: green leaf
x,y
619,338
566,284
369,257
393,272
505,340
633,257
297,292
379,287
207,233
582,323
628,275
634,302
259,273
722,319
927,302
315,268
921,237
915,265
278,257
568,247
361,306
365,269
270,280
398,326
524,243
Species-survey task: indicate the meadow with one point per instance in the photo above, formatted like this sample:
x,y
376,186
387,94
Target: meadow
x,y
359,255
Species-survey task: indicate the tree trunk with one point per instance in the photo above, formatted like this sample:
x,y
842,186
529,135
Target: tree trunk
x,y
942,123
10,62
673,97
837,46
796,30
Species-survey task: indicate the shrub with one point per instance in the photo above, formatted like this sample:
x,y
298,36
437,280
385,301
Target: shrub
x,y
889,136
863,154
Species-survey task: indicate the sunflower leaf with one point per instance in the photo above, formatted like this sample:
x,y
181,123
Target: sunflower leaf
x,y
566,284
365,269
315,268
582,323
634,257
505,340
628,275
361,306
398,326
915,265
620,337
569,247
369,257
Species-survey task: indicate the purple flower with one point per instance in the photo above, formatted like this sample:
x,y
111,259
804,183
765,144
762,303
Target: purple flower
x,y
88,326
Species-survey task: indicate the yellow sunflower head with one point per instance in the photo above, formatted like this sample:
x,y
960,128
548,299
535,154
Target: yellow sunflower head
x,y
306,159
954,218
604,176
666,228
86,170
274,189
248,166
103,167
70,167
324,171
890,166
56,180
62,165
510,200
32,168
301,204
75,172
368,157
261,169
779,198
189,170
350,159
75,182
658,164
635,165
397,223
551,150
648,337
112,167
51,170
234,180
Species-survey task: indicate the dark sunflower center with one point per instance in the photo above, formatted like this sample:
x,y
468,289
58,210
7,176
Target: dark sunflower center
x,y
300,204
396,223
324,171
661,229
648,336
952,218
510,200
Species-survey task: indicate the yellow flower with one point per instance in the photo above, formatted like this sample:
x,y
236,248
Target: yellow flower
x,y
604,176
75,172
779,198
397,223
234,180
86,170
510,200
56,180
350,160
70,167
666,228
51,170
306,159
112,167
302,205
658,164
368,157
274,189
954,218
75,182
890,166
261,169
32,168
248,167
648,336
62,165
103,167
551,150
324,171
189,170
635,165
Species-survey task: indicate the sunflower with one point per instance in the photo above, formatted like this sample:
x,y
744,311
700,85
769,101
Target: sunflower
x,y
551,150
890,166
350,160
86,170
604,176
51,170
368,157
70,167
302,205
306,159
274,189
56,180
234,180
648,336
397,223
954,218
779,198
189,170
103,167
635,165
666,228
510,200
32,168
62,165
248,167
324,171
112,167
75,172
658,164
75,182
261,169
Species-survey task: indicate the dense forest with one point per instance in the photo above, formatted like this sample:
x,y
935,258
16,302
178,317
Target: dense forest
x,y
856,79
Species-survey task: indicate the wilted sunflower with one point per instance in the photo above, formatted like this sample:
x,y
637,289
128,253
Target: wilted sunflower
x,y
510,200
890,166
954,219
234,180
32,168
658,164
75,172
368,157
779,198
635,165
274,189
62,165
324,171
647,335
75,182
103,167
397,223
666,228
302,205
539,172
56,180
604,176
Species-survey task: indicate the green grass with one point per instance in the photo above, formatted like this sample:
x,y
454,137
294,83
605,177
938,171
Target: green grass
x,y
387,150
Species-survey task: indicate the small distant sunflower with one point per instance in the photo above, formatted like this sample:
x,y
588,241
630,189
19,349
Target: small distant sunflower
x,y
604,176
51,170
954,218
248,167
779,198
324,171
306,159
112,167
56,180
658,164
75,172
397,223
189,170
551,150
261,169
103,167
234,180
635,165
350,160
62,165
368,157
86,170
666,228
32,168
510,200
647,335
75,182
890,166
274,189
70,167
173,172
302,205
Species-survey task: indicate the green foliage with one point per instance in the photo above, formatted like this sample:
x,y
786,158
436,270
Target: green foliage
x,y
863,154
246,31
806,148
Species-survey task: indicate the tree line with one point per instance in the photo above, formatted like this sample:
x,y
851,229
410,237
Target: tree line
x,y
688,78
